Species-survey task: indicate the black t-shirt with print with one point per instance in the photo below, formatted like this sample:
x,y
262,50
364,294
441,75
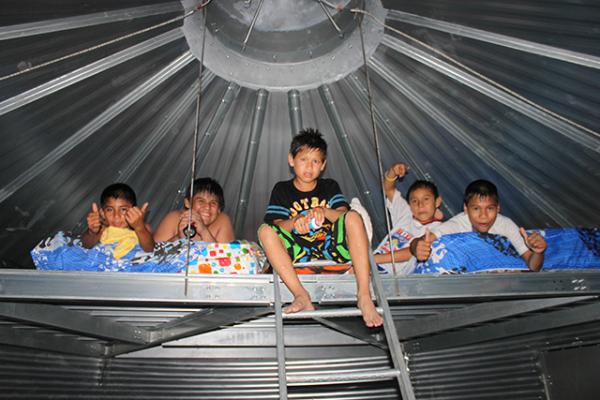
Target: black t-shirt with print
x,y
286,201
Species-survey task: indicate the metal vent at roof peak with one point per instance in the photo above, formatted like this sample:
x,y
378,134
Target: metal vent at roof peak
x,y
280,45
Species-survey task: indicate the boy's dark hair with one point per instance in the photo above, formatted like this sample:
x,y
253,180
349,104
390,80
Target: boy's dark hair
x,y
118,191
308,138
481,188
420,184
208,185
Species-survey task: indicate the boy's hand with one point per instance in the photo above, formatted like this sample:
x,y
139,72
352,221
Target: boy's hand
x,y
421,247
135,217
301,224
535,241
397,170
196,223
94,222
318,214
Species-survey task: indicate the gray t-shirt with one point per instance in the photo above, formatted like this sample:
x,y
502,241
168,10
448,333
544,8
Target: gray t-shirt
x,y
502,226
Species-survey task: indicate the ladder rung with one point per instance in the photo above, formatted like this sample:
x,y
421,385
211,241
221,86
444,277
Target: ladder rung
x,y
331,313
350,377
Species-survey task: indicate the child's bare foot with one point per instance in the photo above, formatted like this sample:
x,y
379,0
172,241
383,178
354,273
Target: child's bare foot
x,y
369,312
300,303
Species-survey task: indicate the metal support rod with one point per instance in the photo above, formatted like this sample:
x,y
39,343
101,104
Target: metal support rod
x,y
396,352
252,24
188,230
390,133
210,133
295,111
338,127
281,372
387,217
334,313
330,17
251,154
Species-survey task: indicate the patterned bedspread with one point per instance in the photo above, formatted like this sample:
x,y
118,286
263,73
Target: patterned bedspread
x,y
64,252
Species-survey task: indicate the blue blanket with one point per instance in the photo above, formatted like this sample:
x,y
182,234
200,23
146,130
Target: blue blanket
x,y
64,252
568,248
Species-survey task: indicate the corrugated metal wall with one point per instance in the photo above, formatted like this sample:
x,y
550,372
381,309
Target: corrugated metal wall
x,y
203,366
70,128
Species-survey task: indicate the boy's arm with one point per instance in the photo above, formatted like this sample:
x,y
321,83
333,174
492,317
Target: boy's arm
x,y
534,257
400,255
94,228
89,239
135,219
168,229
145,237
398,170
223,229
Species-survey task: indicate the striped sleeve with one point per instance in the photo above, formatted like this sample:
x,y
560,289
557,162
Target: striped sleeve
x,y
337,198
276,209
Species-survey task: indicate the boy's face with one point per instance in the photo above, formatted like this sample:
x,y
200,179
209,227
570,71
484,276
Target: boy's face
x,y
114,211
423,204
482,212
307,164
206,205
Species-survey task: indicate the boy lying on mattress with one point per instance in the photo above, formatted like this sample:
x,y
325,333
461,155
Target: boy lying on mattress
x,y
410,219
481,207
118,220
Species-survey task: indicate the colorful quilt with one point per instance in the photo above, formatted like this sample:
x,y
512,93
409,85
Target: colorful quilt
x,y
568,248
64,252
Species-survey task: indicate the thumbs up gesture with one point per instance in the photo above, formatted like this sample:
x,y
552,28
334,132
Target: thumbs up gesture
x,y
535,241
135,217
421,247
93,220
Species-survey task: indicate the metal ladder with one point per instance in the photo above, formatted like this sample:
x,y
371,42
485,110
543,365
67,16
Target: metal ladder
x,y
399,370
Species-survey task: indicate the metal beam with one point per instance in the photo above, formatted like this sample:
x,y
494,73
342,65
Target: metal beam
x,y
497,39
66,320
355,327
295,108
196,323
260,108
591,141
476,314
541,201
81,21
118,287
502,330
355,170
279,339
88,71
34,339
204,321
95,124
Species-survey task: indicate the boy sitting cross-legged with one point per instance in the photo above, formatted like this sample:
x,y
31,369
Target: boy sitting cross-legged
x,y
308,219
481,207
118,220
410,217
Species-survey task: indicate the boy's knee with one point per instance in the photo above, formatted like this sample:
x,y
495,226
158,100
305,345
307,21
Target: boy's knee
x,y
352,217
264,231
